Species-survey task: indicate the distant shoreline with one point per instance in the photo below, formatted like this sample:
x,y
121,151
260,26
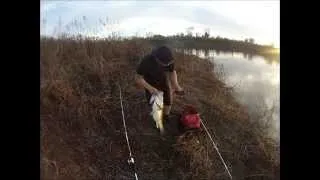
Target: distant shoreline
x,y
247,46
218,44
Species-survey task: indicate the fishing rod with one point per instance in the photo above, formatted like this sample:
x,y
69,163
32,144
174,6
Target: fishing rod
x,y
131,159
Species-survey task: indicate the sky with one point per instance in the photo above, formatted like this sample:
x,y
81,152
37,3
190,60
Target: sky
x,y
239,20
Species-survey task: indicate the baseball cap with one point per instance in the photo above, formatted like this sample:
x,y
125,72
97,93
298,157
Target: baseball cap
x,y
164,55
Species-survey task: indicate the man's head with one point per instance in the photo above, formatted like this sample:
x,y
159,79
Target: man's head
x,y
163,56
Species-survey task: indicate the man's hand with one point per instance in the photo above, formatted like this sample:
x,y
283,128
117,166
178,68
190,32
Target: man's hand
x,y
140,80
154,91
178,90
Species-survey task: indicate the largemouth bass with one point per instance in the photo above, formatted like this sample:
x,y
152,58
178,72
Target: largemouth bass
x,y
156,102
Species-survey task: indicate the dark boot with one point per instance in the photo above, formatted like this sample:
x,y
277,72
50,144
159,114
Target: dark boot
x,y
171,124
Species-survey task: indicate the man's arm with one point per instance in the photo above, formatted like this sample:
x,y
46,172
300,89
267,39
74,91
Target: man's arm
x,y
173,78
142,69
141,82
174,81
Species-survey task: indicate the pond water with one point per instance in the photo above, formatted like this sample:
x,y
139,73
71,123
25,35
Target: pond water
x,y
256,81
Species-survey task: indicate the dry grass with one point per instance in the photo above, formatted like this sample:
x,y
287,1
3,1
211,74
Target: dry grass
x,y
81,126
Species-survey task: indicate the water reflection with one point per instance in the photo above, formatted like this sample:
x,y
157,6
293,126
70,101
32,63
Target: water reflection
x,y
206,53
209,53
258,78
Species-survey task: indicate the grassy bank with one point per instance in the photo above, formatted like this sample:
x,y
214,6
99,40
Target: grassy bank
x,y
82,134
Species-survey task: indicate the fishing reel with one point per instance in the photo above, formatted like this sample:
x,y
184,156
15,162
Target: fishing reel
x,y
130,161
131,164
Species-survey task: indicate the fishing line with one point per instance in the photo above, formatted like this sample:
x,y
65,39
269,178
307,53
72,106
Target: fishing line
x,y
215,146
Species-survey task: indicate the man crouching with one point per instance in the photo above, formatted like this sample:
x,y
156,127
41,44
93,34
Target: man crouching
x,y
156,72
